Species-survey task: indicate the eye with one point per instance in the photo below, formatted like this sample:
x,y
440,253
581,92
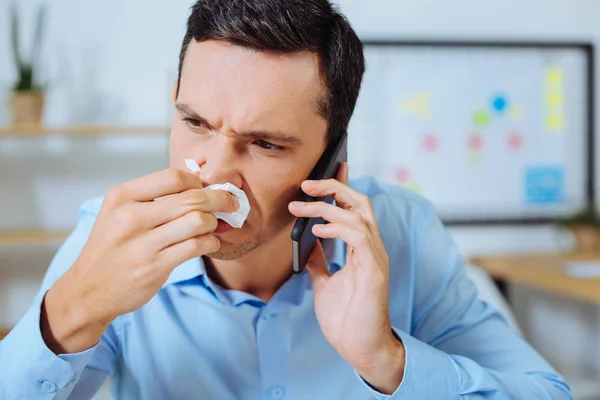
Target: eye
x,y
193,123
263,144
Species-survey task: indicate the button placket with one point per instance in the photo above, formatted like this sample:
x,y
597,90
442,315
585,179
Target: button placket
x,y
272,346
48,386
277,392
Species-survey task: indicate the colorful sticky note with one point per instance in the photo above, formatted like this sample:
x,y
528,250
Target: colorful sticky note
x,y
554,98
481,118
554,76
499,103
413,186
555,122
475,141
430,143
544,185
515,141
475,158
418,105
516,113
402,174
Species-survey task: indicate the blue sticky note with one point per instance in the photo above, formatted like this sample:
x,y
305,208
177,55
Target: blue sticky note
x,y
499,103
544,185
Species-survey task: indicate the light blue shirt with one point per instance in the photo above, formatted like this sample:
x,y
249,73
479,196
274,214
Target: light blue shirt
x,y
196,340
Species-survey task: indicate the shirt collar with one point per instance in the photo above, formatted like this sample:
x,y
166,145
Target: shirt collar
x,y
190,269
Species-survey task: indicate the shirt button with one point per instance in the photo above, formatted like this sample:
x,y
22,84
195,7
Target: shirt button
x,y
277,392
48,387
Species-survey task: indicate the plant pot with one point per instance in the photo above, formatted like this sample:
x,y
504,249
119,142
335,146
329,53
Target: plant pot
x,y
27,108
587,237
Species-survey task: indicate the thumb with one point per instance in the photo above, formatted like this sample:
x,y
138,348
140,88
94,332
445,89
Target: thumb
x,y
317,265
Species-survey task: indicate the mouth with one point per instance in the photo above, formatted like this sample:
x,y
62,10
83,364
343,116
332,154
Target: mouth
x,y
222,227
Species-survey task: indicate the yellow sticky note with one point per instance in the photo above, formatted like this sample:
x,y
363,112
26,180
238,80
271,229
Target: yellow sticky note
x,y
418,105
554,76
516,113
554,98
555,122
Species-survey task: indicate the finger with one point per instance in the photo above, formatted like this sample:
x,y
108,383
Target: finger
x,y
317,266
342,173
179,253
170,208
192,224
345,197
158,184
328,212
356,238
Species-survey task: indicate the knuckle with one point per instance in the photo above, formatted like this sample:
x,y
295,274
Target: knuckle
x,y
176,177
114,196
128,219
189,247
357,219
197,218
203,221
193,197
201,245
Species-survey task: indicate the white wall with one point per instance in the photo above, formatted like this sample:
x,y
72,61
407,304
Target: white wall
x,y
115,61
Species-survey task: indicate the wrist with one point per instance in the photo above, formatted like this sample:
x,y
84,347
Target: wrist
x,y
67,325
386,372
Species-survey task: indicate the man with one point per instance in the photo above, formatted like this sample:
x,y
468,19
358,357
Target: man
x,y
173,304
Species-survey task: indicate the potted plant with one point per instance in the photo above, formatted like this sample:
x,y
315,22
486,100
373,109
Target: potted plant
x,y
28,97
585,227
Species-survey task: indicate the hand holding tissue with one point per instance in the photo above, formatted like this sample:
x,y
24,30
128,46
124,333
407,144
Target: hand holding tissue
x,y
235,219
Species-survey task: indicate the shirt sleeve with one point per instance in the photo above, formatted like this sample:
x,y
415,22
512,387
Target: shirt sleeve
x,y
29,369
460,347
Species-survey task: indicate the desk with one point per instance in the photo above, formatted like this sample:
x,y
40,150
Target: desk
x,y
543,271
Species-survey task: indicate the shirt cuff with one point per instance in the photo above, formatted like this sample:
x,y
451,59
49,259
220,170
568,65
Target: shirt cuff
x,y
28,368
428,374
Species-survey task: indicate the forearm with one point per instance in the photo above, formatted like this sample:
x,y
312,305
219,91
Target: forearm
x,y
431,373
67,325
386,372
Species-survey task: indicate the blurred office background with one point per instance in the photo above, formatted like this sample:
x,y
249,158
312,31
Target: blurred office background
x,y
514,136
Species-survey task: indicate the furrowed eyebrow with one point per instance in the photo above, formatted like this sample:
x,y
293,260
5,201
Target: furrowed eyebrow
x,y
274,136
187,112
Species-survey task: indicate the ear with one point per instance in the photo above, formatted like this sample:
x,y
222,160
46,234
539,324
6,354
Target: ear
x,y
175,91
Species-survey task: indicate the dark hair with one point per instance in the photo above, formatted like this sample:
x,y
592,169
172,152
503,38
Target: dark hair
x,y
288,26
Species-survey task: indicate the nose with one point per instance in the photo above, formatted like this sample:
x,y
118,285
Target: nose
x,y
221,162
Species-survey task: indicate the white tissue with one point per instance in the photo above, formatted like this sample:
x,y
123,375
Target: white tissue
x,y
192,165
235,219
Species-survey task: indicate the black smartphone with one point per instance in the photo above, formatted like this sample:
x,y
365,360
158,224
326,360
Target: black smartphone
x,y
303,240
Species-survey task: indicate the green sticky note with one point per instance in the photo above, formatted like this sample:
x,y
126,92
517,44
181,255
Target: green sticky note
x,y
475,158
481,118
413,186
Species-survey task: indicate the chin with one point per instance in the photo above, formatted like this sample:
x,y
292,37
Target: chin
x,y
234,251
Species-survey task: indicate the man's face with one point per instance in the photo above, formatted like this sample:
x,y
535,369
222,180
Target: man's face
x,y
250,118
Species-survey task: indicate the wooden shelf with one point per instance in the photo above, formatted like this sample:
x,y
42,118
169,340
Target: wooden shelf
x,y
31,237
82,130
4,332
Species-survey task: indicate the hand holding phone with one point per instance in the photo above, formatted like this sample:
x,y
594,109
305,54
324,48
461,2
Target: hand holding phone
x,y
303,240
